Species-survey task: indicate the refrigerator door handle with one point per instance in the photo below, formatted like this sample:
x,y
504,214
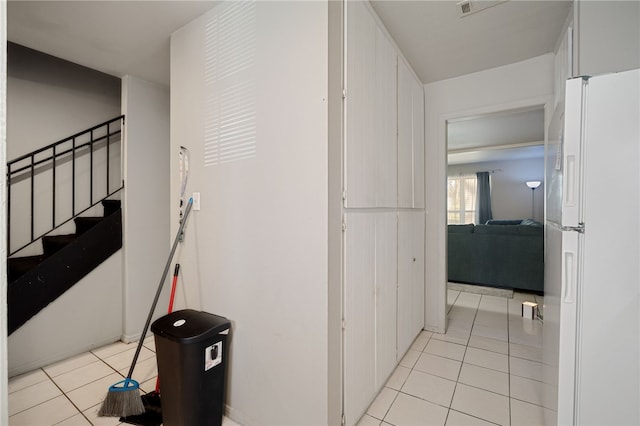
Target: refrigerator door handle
x,y
568,293
570,181
579,228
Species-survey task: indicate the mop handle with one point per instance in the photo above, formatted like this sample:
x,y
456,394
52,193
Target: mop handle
x,y
173,287
171,298
164,277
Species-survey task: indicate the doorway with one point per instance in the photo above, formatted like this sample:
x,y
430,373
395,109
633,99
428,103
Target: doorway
x,y
510,146
495,176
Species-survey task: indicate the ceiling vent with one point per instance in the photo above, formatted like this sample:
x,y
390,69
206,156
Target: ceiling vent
x,y
464,7
469,7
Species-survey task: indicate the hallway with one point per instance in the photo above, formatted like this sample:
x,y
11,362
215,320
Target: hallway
x,y
487,369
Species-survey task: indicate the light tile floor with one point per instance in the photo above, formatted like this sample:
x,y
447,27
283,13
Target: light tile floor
x,y
487,369
71,392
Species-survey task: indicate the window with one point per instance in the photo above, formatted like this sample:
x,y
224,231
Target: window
x,y
461,199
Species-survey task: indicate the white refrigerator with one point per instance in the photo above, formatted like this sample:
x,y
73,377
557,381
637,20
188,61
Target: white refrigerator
x,y
591,346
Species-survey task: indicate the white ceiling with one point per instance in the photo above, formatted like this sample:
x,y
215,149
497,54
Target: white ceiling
x,y
515,127
115,37
517,134
132,37
492,156
439,44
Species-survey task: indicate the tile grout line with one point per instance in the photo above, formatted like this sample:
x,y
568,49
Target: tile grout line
x,y
467,345
395,390
41,402
25,387
105,363
51,379
405,381
509,359
455,387
475,417
509,321
68,399
509,373
390,405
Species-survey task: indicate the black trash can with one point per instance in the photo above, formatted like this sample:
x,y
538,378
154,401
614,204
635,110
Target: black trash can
x,y
192,353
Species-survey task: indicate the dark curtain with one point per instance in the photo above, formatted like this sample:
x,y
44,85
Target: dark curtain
x,y
483,212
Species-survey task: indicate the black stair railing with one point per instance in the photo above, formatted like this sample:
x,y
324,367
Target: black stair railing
x,y
73,152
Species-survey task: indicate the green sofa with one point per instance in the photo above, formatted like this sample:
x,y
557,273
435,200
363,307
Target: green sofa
x,y
499,254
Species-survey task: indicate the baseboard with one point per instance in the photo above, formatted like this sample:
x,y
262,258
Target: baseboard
x,y
132,338
236,416
52,359
479,289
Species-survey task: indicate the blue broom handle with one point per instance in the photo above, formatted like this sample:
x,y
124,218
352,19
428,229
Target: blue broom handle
x,y
164,277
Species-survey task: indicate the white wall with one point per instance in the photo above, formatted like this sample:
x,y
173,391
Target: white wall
x,y
146,200
510,197
257,252
525,83
86,316
335,160
49,99
4,416
607,37
61,98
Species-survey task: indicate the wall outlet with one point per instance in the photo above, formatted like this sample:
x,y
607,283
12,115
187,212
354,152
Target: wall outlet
x,y
196,201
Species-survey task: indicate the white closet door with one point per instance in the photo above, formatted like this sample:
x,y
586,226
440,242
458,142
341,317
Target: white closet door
x,y
410,278
405,136
410,139
386,270
359,314
361,92
370,306
371,152
386,151
418,143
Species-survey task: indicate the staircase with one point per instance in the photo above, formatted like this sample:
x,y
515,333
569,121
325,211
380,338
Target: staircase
x,y
36,281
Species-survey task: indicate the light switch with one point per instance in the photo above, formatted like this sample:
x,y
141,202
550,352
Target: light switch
x,y
196,201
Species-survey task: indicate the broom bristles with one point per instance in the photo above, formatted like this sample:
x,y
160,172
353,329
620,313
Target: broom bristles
x,y
122,401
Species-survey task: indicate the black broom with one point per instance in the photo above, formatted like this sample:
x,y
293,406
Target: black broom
x,y
123,398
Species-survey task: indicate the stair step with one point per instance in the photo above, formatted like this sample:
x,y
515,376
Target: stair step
x,y
35,289
53,243
18,266
110,206
83,224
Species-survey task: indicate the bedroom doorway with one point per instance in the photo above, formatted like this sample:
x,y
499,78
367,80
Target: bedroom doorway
x,y
490,159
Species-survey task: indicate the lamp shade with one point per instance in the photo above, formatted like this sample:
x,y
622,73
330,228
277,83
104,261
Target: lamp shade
x,y
533,184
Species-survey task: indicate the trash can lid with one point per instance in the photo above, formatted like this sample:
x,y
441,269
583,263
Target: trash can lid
x,y
189,326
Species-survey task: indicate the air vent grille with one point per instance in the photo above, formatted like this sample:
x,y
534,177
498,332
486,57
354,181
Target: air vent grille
x,y
469,7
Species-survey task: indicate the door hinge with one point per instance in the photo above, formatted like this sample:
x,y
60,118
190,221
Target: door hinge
x,y
344,94
344,324
343,421
579,228
344,225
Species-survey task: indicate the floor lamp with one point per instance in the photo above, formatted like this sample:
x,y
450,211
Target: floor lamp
x,y
533,184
